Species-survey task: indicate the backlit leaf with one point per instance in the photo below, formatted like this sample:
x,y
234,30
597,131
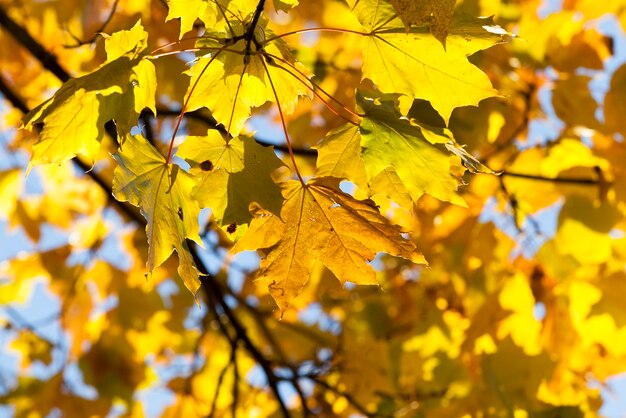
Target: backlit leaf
x,y
415,63
230,88
414,12
73,119
320,222
390,143
233,175
162,191
211,12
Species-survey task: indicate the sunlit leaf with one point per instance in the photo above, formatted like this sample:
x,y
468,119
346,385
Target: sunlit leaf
x,y
319,222
162,191
414,12
230,87
415,64
233,175
73,120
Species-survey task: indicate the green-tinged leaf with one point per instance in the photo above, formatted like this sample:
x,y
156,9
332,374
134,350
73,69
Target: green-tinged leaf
x,y
232,175
73,119
416,65
389,149
230,88
339,155
163,193
320,222
388,141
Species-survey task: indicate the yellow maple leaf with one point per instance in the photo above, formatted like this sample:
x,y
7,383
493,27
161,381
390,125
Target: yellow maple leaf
x,y
230,83
232,175
320,222
163,193
212,12
418,11
73,119
391,155
416,65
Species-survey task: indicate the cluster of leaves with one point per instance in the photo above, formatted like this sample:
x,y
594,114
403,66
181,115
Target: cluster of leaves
x,y
479,309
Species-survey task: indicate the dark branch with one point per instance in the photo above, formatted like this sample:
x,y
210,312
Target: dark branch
x,y
20,34
355,404
249,35
570,180
24,323
15,101
213,124
213,289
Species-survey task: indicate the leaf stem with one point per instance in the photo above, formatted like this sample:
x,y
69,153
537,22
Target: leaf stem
x,y
184,109
180,41
317,86
222,10
295,32
282,120
196,49
232,112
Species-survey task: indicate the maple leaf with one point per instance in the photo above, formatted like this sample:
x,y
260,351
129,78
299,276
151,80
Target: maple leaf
x,y
230,82
73,119
395,155
320,222
415,12
163,193
415,64
233,175
285,5
213,13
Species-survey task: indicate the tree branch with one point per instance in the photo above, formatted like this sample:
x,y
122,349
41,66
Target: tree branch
x,y
213,124
8,94
21,35
570,180
212,288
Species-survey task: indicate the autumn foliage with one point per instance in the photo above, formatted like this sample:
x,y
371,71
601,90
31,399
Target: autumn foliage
x,y
389,208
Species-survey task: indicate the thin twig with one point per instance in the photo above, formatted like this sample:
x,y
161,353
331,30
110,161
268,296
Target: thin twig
x,y
24,323
212,287
345,395
97,33
284,124
571,180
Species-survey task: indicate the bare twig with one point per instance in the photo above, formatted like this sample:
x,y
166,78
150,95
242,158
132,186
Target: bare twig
x,y
97,33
